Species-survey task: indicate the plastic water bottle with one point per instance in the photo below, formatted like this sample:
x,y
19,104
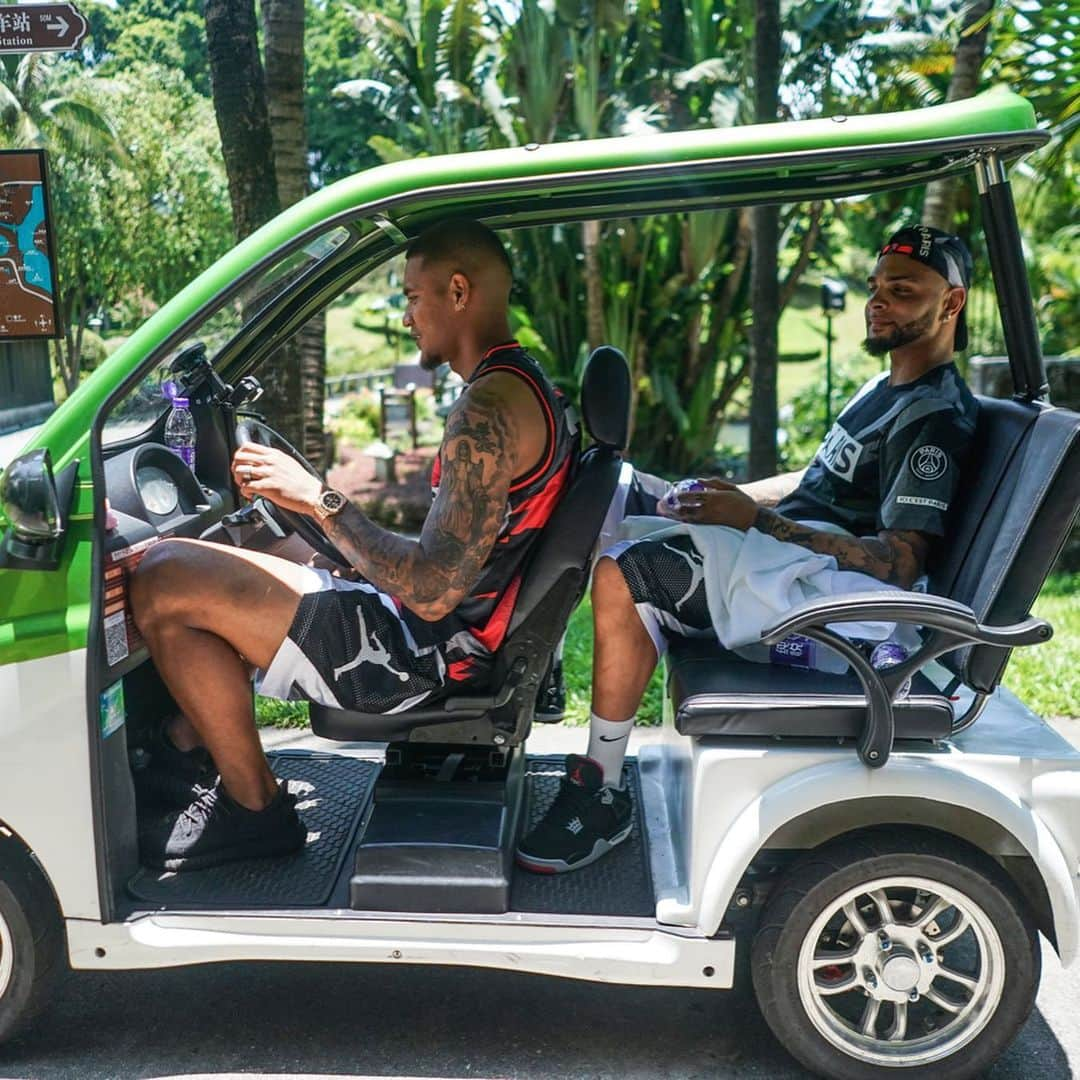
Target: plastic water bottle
x,y
671,496
180,432
795,651
889,654
802,652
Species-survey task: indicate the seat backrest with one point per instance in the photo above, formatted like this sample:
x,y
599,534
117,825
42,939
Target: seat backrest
x,y
558,569
1017,501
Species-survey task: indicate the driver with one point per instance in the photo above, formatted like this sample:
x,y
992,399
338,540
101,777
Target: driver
x,y
863,516
420,616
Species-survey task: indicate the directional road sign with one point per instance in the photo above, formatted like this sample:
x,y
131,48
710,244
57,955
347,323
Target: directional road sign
x,y
27,28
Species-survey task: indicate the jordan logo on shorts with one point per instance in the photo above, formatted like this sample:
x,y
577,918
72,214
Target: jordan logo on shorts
x,y
372,651
697,572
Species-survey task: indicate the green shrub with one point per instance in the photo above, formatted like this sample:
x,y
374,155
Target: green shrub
x,y
357,421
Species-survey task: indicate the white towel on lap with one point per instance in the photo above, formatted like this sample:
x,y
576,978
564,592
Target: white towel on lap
x,y
752,579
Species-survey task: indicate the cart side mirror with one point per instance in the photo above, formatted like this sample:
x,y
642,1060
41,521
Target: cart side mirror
x,y
35,504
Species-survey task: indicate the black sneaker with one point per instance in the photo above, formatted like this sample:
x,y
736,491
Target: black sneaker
x,y
585,821
551,697
215,829
168,779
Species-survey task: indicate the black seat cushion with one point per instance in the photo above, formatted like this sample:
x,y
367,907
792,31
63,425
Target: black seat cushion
x,y
715,692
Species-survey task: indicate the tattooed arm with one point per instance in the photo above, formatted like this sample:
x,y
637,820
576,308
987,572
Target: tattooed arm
x,y
480,456
893,556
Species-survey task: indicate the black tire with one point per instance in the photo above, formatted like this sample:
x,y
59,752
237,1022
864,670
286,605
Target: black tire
x,y
31,940
818,881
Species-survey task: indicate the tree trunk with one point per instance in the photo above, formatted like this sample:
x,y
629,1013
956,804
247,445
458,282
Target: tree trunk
x,y
283,34
939,204
239,89
594,285
764,286
240,105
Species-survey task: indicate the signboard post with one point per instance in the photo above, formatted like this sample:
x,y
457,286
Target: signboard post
x,y
27,28
27,262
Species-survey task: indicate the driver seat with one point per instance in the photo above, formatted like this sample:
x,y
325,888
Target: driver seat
x,y
448,801
500,713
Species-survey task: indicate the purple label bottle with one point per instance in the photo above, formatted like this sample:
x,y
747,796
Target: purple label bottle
x,y
888,654
180,432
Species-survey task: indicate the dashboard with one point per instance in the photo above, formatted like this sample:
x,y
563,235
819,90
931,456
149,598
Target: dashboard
x,y
154,494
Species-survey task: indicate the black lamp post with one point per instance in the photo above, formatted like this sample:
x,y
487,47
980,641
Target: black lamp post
x,y
833,299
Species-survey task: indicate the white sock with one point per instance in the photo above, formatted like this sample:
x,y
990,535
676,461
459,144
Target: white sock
x,y
607,746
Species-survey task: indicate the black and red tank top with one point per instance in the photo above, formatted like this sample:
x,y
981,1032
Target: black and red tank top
x,y
478,624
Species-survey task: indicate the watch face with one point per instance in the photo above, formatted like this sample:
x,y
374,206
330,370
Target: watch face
x,y
332,501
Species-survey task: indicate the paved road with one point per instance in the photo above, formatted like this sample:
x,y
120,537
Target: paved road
x,y
297,1020
12,443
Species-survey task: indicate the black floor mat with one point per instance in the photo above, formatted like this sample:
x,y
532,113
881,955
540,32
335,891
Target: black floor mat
x,y
332,792
620,883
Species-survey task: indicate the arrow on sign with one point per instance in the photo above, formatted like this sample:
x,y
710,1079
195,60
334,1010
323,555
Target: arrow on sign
x,y
31,28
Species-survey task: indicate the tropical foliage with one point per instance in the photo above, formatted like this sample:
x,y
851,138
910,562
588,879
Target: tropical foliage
x,y
132,141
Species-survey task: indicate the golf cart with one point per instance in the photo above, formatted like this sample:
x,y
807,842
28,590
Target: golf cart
x,y
887,859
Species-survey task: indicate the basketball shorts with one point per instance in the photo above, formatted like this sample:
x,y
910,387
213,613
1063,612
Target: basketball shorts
x,y
349,648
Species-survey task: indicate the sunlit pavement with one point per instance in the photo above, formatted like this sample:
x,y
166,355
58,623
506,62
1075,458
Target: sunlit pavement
x,y
12,443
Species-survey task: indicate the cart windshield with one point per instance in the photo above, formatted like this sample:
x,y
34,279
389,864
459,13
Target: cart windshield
x,y
144,403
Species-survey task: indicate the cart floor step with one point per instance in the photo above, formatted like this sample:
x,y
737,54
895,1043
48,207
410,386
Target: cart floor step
x,y
618,884
332,793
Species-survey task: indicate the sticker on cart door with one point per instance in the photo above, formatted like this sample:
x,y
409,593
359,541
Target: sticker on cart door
x,y
116,639
112,709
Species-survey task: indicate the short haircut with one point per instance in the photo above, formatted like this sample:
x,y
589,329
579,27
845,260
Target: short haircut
x,y
461,242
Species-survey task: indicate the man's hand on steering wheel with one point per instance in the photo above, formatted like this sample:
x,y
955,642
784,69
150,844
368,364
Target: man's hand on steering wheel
x,y
271,473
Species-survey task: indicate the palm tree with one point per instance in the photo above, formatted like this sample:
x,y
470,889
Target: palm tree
x,y
429,69
49,104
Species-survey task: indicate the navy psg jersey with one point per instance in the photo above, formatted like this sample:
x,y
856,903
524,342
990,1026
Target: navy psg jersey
x,y
892,459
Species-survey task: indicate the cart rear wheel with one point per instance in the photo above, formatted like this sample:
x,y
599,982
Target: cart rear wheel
x,y
899,957
31,940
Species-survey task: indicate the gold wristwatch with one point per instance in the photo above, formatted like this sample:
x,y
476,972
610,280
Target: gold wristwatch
x,y
328,504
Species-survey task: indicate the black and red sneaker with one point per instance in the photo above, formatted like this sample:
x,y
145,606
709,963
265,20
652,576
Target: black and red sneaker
x,y
586,820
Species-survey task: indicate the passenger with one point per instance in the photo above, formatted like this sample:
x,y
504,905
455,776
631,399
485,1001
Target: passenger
x,y
422,616
863,516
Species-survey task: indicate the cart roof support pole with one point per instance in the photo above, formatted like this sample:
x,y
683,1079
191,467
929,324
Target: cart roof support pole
x,y
1010,280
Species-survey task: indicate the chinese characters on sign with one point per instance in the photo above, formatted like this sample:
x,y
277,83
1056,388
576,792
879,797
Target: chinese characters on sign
x,y
27,28
26,254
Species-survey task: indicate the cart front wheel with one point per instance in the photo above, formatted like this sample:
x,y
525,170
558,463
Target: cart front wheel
x,y
895,957
31,941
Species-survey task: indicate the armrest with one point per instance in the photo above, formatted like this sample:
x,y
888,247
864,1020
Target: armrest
x,y
922,609
952,625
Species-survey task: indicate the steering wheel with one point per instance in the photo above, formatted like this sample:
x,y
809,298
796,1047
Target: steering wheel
x,y
249,429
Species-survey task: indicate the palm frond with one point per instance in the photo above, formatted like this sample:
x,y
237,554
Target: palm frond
x,y
460,39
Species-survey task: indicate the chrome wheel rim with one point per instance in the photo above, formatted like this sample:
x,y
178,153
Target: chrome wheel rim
x,y
901,971
7,956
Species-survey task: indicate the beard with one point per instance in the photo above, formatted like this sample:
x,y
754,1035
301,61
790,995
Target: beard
x,y
429,361
900,335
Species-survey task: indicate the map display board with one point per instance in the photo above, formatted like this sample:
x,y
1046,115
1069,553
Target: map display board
x,y
27,265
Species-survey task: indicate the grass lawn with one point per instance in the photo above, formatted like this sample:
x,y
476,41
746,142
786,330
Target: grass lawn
x,y
1046,677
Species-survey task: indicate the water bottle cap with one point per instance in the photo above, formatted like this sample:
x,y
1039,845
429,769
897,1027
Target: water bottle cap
x,y
180,402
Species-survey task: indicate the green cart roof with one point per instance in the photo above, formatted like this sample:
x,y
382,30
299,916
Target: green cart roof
x,y
531,185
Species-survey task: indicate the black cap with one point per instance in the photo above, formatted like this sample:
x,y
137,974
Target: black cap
x,y
942,252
